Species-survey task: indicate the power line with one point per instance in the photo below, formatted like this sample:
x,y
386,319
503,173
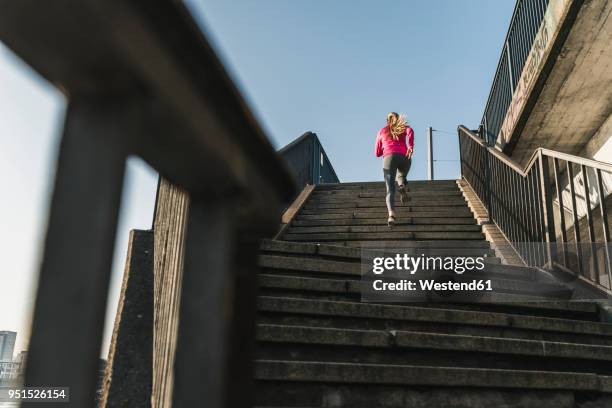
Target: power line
x,y
445,131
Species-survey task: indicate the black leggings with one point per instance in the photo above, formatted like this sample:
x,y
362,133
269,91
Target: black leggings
x,y
395,166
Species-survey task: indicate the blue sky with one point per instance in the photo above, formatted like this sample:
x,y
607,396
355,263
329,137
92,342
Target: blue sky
x,y
332,67
337,68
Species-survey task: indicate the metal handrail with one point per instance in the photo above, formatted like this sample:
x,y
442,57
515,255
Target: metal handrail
x,y
164,96
536,153
524,24
527,204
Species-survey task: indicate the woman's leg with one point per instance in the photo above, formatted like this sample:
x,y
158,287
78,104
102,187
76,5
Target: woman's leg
x,y
389,171
402,171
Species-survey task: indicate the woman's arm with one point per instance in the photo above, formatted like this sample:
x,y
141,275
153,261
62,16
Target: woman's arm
x,y
409,141
379,146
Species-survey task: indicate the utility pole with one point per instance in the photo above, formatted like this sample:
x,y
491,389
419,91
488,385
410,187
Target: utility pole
x,y
430,169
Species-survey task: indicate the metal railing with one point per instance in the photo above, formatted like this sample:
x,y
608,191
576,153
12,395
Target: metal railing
x,y
307,161
141,79
554,211
524,25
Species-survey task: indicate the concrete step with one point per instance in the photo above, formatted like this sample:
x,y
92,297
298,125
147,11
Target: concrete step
x,y
271,262
310,395
401,215
301,394
294,229
370,316
324,266
421,249
305,343
391,245
337,194
355,253
338,373
373,203
324,250
410,211
307,278
496,303
306,248
412,187
383,221
423,184
381,189
334,283
283,262
376,197
372,236
377,191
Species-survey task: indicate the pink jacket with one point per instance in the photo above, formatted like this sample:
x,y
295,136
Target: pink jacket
x,y
386,145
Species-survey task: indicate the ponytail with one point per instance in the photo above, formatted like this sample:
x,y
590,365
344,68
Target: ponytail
x,y
397,124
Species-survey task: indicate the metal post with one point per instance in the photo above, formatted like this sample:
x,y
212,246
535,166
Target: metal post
x,y
575,223
589,218
550,237
510,73
562,226
75,271
430,169
605,228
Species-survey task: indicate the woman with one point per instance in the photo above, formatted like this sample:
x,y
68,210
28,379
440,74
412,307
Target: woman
x,y
395,143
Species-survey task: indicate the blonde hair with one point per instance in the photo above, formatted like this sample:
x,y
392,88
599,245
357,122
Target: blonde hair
x,y
397,124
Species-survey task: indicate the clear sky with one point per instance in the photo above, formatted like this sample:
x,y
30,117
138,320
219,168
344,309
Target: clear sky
x,y
332,67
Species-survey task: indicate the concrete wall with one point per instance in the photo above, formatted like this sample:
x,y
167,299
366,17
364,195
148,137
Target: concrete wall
x,y
573,112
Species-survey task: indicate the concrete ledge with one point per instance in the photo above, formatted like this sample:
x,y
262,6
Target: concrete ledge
x,y
294,208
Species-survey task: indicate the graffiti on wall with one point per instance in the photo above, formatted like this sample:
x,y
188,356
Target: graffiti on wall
x,y
533,66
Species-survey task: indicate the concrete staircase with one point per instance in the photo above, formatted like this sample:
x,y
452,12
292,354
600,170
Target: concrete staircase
x,y
320,346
